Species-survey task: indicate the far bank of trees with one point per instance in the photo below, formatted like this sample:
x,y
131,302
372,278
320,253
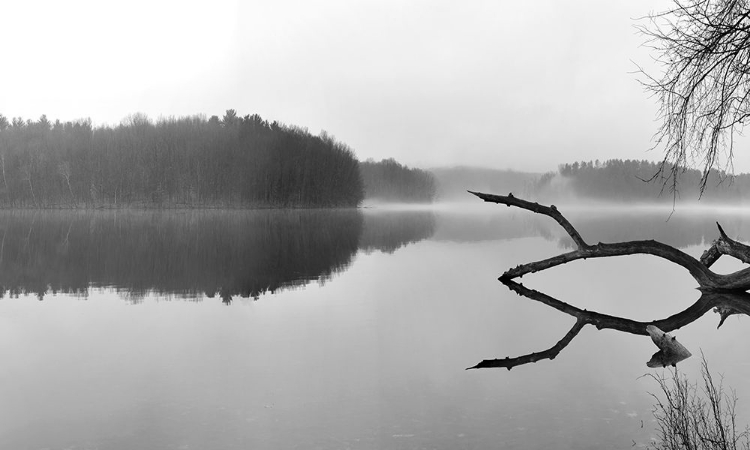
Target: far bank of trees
x,y
388,180
188,161
633,181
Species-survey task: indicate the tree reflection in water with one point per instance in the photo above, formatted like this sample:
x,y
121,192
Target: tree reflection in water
x,y
190,253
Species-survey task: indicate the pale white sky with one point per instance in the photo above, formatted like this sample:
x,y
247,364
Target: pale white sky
x,y
505,84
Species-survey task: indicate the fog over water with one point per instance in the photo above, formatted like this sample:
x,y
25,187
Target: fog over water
x,y
364,324
192,256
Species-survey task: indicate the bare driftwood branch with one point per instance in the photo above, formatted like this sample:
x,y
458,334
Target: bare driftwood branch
x,y
699,270
726,293
550,211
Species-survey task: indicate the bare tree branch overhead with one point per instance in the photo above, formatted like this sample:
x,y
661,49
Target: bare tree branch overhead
x,y
702,48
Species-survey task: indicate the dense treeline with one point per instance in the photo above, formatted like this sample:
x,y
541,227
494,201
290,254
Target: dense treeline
x,y
388,180
187,161
631,180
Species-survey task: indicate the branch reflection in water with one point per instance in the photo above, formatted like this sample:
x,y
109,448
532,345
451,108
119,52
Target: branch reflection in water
x,y
191,253
723,303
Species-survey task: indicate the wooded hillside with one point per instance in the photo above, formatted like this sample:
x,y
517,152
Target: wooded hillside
x,y
188,161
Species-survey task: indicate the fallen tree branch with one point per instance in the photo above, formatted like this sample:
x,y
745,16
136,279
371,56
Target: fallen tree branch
x,y
550,211
701,273
725,293
698,269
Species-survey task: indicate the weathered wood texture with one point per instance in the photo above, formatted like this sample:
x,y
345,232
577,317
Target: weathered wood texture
x,y
670,351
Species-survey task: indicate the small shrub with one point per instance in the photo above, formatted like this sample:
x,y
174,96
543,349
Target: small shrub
x,y
697,417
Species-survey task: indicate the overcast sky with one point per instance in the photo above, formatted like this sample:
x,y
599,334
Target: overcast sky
x,y
506,84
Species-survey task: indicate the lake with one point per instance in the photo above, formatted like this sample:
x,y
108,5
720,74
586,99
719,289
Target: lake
x,y
340,329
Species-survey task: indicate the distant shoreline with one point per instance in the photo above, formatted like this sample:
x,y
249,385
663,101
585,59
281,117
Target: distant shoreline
x,y
180,208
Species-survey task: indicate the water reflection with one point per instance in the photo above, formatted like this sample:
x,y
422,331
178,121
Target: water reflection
x,y
723,303
227,254
387,231
682,229
189,254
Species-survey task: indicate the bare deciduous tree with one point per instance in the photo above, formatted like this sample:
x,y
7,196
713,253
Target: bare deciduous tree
x,y
26,174
703,91
64,170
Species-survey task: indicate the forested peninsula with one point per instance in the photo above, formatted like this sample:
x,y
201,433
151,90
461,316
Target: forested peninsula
x,y
193,161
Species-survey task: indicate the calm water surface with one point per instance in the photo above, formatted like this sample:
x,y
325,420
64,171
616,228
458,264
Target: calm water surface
x,y
343,329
